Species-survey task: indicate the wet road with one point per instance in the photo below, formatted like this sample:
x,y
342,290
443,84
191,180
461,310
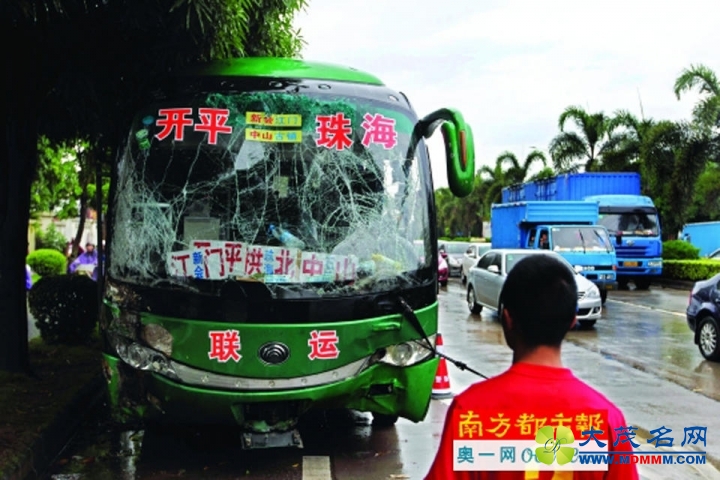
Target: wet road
x,y
640,354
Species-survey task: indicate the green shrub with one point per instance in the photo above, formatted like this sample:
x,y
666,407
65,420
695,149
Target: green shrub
x,y
50,238
692,270
65,308
47,262
679,250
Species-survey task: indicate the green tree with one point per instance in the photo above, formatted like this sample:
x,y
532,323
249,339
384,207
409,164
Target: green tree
x,y
706,197
518,172
493,180
591,142
706,113
56,180
65,84
629,134
672,157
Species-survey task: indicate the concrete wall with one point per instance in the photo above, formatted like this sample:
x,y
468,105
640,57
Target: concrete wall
x,y
68,228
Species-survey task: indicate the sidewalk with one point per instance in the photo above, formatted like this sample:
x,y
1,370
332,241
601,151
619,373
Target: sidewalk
x,y
32,458
39,457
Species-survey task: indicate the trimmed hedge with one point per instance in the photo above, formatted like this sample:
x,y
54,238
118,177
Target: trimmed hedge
x,y
65,308
679,250
692,270
47,262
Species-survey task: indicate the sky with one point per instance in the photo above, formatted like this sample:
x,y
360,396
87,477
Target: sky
x,y
513,66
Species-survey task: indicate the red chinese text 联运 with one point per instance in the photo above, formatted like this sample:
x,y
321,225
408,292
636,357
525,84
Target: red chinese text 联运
x,y
323,344
224,345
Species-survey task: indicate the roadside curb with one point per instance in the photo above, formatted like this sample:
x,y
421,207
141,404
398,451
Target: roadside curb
x,y
674,284
53,439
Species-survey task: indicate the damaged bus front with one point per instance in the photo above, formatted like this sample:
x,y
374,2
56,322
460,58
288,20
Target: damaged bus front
x,y
272,249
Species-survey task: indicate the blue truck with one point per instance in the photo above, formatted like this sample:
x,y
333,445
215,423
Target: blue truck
x,y
568,228
630,217
703,235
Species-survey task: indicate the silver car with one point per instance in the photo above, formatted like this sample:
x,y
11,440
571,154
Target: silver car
x,y
486,279
470,258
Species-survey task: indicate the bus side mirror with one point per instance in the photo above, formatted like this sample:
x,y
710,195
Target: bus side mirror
x,y
459,147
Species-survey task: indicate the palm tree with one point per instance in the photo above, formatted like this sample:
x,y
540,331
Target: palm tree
x,y
593,140
673,155
625,156
517,173
707,111
493,179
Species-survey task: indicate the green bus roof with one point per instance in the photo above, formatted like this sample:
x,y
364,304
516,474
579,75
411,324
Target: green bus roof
x,y
284,68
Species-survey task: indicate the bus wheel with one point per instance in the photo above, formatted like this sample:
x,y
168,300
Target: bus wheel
x,y
382,420
603,296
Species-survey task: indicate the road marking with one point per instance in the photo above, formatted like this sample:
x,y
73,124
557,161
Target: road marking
x,y
677,314
316,468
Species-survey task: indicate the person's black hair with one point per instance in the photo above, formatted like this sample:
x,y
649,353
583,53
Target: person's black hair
x,y
540,294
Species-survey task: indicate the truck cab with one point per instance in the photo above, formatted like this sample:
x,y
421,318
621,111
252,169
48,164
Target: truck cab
x,y
634,223
587,247
568,228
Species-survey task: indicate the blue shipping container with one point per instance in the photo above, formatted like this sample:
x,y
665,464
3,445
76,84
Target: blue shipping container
x,y
703,235
574,186
506,218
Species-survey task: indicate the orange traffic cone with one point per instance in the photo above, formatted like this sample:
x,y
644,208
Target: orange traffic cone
x,y
441,385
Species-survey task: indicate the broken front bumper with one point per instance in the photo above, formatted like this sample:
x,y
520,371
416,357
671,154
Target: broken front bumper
x,y
380,388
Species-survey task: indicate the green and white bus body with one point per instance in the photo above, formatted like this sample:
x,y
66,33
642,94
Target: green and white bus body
x,y
212,316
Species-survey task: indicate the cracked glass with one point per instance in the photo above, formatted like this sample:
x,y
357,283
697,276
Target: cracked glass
x,y
315,194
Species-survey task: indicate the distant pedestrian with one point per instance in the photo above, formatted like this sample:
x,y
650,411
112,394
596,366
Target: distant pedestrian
x,y
89,257
28,273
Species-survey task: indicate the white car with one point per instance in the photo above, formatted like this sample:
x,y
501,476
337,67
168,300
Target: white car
x,y
470,258
486,279
453,253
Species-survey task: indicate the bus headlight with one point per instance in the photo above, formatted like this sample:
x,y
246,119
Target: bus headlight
x,y
405,354
654,263
141,357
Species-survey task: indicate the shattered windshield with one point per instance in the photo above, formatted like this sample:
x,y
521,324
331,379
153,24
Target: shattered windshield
x,y
581,239
306,192
631,223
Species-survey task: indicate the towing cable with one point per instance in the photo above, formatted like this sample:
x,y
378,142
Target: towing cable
x,y
410,316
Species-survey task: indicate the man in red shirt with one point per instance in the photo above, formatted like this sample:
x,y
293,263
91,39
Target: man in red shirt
x,y
538,307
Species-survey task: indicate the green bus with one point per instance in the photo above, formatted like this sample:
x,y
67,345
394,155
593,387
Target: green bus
x,y
272,249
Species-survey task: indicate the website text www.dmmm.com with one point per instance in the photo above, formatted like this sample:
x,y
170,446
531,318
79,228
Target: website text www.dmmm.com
x,y
654,459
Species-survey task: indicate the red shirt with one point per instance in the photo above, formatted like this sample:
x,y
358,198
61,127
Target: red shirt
x,y
526,386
